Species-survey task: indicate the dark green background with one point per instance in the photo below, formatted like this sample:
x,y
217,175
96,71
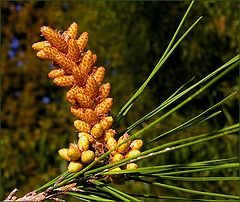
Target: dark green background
x,y
129,38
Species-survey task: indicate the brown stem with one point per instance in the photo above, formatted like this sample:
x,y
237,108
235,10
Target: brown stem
x,y
50,193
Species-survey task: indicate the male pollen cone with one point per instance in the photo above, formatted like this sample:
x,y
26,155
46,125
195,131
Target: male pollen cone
x,y
74,69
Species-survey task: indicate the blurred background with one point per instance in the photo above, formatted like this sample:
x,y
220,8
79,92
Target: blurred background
x,y
129,39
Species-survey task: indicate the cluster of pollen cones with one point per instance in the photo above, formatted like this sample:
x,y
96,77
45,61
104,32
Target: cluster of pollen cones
x,y
75,69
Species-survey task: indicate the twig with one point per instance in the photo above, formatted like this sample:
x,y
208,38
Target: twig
x,y
11,195
50,193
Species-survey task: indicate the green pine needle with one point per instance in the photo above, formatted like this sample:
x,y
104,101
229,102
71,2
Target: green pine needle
x,y
140,179
164,57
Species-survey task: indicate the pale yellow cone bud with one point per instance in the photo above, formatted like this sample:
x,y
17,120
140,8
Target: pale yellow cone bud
x,y
124,147
87,156
117,157
54,38
111,143
136,144
75,167
40,45
63,153
109,133
82,126
106,122
132,153
97,130
83,143
89,137
115,169
73,152
104,107
131,166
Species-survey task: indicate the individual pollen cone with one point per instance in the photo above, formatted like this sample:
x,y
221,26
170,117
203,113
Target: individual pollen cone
x,y
64,81
111,143
73,152
56,73
42,55
97,130
59,58
87,115
82,41
89,137
87,156
63,153
124,147
83,142
82,126
72,93
106,122
91,87
77,112
131,166
99,74
117,157
84,101
104,91
72,30
54,38
90,116
73,51
132,153
109,133
115,169
79,75
75,167
136,144
104,107
40,45
94,59
86,62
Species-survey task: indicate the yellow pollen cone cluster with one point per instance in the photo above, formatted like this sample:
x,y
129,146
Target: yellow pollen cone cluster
x,y
91,104
125,150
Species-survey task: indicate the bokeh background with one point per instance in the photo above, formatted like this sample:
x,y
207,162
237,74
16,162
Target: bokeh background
x,y
129,38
